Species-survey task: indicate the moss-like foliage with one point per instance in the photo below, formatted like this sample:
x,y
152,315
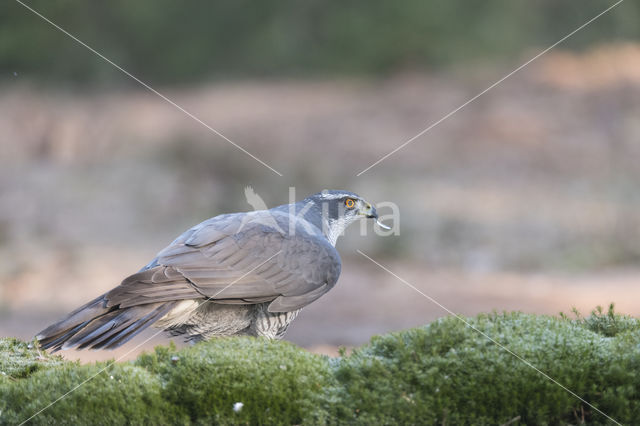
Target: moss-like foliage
x,y
608,324
19,359
447,372
276,382
93,395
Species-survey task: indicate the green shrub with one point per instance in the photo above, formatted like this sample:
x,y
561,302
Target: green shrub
x,y
443,373
607,324
19,359
447,372
277,382
106,394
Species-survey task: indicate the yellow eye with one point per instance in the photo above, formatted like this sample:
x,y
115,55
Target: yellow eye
x,y
349,203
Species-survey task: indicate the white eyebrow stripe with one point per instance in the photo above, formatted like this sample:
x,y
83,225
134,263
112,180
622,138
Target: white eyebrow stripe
x,y
334,196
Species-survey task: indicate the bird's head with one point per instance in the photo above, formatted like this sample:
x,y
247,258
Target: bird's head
x,y
339,209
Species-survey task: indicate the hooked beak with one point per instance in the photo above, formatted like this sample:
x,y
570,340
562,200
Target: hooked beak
x,y
370,212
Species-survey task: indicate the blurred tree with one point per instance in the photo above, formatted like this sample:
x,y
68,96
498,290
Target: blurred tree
x,y
172,42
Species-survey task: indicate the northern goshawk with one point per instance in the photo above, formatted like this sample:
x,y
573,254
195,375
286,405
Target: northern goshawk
x,y
234,274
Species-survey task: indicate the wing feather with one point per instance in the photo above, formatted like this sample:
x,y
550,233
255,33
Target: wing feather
x,y
231,260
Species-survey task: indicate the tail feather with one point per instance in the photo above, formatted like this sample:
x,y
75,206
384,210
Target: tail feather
x,y
130,332
94,330
97,326
49,341
83,314
121,328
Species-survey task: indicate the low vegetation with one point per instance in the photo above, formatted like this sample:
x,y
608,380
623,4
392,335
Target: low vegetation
x,y
446,372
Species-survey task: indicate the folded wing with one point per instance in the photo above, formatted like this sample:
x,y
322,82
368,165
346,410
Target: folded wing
x,y
235,260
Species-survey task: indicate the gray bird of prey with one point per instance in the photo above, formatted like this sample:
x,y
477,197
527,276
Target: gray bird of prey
x,y
235,274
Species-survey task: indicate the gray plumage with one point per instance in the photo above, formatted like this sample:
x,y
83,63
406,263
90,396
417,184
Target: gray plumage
x,y
234,274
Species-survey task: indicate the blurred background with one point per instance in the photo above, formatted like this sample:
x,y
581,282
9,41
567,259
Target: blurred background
x,y
527,199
